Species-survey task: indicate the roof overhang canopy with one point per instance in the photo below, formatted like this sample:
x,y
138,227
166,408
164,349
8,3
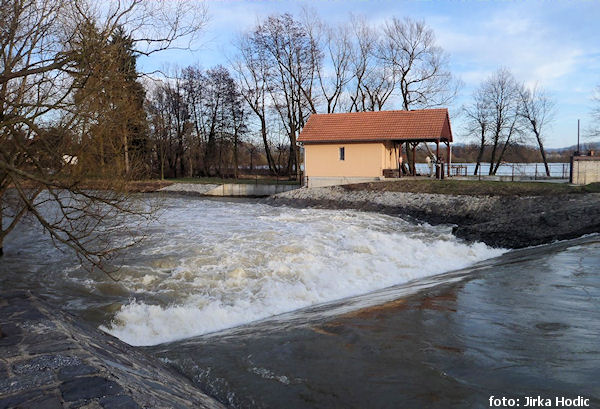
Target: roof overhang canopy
x,y
426,125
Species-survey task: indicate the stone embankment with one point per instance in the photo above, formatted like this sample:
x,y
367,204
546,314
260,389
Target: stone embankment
x,y
49,360
501,221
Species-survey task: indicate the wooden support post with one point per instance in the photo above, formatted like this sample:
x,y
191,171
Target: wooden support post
x,y
414,159
448,157
437,160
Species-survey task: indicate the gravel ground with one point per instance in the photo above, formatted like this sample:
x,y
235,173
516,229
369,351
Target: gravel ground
x,y
500,221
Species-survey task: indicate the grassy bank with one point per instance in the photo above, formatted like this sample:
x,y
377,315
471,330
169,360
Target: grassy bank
x,y
475,187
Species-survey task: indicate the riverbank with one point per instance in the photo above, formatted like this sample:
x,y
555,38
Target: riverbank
x,y
50,359
509,215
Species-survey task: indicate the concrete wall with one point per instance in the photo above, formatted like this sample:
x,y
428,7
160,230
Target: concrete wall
x,y
231,189
316,181
585,170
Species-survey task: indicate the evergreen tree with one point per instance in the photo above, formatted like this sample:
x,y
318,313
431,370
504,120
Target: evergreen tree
x,y
110,100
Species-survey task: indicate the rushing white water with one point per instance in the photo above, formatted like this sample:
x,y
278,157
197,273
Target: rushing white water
x,y
214,265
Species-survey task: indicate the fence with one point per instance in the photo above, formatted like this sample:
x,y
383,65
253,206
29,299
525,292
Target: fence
x,y
515,171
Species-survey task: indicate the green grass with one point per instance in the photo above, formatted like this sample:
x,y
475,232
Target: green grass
x,y
220,181
476,187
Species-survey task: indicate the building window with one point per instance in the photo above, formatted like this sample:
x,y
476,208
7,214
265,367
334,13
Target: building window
x,y
342,153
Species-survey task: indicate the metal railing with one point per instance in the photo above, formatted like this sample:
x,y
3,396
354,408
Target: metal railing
x,y
534,171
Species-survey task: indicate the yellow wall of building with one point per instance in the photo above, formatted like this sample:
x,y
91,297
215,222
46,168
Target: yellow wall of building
x,y
361,159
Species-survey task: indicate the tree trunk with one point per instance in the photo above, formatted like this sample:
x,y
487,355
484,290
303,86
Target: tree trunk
x,y
408,158
480,154
209,151
126,149
263,131
1,231
493,158
298,170
543,153
293,167
413,157
182,162
291,159
235,155
102,167
220,161
499,157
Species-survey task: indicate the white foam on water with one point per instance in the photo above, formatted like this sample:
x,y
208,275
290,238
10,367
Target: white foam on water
x,y
225,264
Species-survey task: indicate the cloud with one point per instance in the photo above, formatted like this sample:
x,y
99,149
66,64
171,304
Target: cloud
x,y
551,43
524,41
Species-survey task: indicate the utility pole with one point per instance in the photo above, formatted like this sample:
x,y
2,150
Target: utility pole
x,y
578,137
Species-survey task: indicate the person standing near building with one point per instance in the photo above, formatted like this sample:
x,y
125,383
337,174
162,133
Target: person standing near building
x,y
430,163
400,165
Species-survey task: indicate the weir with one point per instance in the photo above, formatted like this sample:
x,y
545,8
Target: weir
x,y
230,189
447,341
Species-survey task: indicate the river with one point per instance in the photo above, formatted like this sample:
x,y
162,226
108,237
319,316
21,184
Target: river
x,y
266,306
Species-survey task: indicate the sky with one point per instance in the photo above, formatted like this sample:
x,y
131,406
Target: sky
x,y
555,44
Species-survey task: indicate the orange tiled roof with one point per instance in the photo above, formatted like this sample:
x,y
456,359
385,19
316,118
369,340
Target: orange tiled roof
x,y
425,124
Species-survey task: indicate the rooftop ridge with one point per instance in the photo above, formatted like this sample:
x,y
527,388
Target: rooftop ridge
x,y
420,124
382,111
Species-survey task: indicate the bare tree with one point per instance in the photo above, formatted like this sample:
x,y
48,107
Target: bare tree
x,y
334,71
502,96
374,80
224,118
419,64
198,121
180,125
193,79
47,164
479,122
536,110
293,56
252,70
160,127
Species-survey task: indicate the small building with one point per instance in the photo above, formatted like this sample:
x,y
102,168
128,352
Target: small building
x,y
367,146
585,169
